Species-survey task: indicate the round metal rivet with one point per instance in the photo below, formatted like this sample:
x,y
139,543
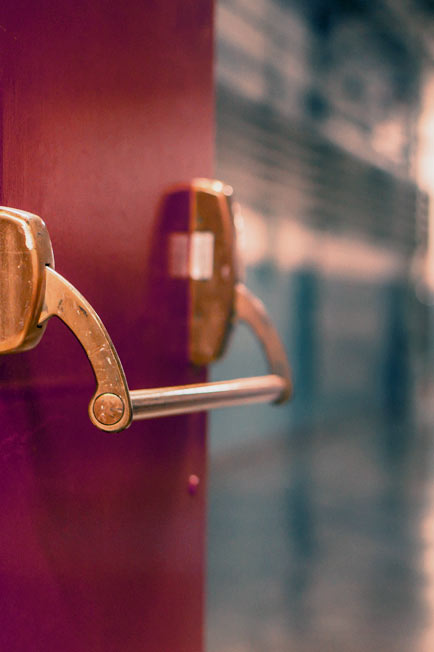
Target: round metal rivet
x,y
108,409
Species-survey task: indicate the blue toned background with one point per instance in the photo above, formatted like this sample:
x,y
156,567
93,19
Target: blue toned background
x,y
321,528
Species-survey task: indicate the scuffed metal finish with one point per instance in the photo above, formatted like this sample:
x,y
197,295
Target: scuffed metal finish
x,y
31,292
64,301
25,250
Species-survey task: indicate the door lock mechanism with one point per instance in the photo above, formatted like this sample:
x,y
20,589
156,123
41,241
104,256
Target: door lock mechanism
x,y
31,291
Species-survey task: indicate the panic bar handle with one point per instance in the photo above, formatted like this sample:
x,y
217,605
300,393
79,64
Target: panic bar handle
x,y
113,406
31,292
275,387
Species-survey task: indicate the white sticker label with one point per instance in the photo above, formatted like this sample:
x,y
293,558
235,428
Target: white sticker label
x,y
192,256
201,255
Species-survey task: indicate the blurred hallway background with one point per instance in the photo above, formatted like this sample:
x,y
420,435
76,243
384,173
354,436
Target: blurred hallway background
x,y
321,522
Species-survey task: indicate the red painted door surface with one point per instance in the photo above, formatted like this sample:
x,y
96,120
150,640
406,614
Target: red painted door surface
x,y
105,104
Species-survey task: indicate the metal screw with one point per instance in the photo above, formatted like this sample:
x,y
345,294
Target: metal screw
x,y
108,409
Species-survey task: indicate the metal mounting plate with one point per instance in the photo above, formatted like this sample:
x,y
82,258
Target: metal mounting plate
x,y
205,256
25,250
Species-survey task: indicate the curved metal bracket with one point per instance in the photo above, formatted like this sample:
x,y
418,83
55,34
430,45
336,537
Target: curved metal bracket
x,y
251,310
110,406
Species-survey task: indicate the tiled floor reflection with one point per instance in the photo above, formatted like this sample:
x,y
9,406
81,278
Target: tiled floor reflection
x,y
324,542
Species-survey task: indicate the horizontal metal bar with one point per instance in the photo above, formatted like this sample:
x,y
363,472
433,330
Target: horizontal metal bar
x,y
180,399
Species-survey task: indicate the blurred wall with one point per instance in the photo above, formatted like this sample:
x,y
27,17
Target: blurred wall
x,y
318,108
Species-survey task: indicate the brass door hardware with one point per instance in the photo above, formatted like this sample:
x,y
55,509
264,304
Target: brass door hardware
x,y
31,292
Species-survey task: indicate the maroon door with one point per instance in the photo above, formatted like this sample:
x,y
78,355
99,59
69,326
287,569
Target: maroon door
x,y
105,104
